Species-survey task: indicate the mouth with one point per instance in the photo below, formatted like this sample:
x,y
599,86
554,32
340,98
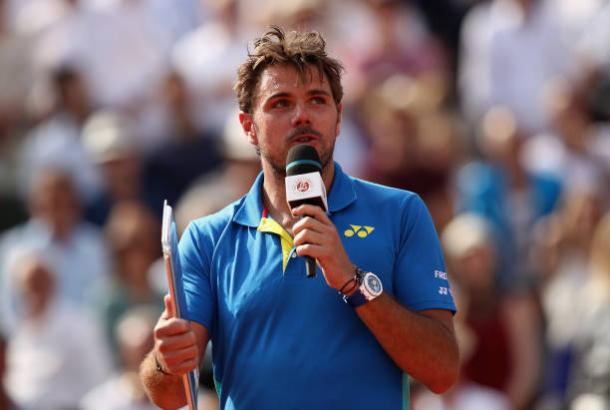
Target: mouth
x,y
304,135
304,139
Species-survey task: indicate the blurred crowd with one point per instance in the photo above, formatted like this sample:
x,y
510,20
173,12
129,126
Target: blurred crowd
x,y
496,112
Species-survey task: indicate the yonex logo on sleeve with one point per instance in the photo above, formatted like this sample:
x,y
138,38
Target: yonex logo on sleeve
x,y
361,230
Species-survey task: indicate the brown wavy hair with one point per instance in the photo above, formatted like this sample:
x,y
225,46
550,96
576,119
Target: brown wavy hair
x,y
298,49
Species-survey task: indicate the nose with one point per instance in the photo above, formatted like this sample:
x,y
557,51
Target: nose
x,y
301,116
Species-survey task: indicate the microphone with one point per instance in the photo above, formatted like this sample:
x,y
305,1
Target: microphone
x,y
304,185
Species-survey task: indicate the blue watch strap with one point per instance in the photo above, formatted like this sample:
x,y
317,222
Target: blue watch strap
x,y
356,299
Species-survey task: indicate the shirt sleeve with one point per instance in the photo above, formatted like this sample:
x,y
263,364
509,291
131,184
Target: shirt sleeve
x,y
195,250
420,279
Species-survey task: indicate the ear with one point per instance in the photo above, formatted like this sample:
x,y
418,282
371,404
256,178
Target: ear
x,y
247,124
339,117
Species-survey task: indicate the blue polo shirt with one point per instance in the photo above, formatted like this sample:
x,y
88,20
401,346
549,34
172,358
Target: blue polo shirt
x,y
281,340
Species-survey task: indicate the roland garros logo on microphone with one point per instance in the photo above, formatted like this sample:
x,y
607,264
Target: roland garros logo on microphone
x,y
302,185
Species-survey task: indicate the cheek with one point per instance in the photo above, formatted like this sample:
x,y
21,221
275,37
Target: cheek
x,y
271,131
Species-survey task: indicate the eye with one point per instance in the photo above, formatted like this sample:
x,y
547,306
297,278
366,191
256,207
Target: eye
x,y
319,100
280,103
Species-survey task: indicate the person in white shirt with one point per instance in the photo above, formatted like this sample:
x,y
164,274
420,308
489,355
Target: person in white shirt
x,y
56,141
76,250
123,390
55,352
509,50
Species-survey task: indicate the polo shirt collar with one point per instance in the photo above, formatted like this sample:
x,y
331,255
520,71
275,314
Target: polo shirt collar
x,y
250,210
342,192
249,213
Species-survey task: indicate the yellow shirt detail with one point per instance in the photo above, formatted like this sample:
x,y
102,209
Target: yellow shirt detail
x,y
269,225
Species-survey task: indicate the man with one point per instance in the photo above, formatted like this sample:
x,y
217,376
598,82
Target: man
x,y
281,340
76,249
48,367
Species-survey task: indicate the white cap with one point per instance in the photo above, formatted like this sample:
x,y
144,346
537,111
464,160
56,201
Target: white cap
x,y
235,143
464,233
108,136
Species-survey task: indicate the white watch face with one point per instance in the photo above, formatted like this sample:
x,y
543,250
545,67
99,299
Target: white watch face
x,y
373,284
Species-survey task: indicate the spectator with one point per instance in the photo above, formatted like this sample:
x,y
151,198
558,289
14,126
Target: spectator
x,y
209,193
590,378
109,140
511,49
76,250
55,353
576,150
507,351
563,245
15,77
91,37
414,144
207,59
189,151
390,114
479,27
123,391
595,74
400,43
56,141
499,188
134,235
12,205
466,394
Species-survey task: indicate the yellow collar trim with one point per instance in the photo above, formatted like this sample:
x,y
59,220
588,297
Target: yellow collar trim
x,y
269,225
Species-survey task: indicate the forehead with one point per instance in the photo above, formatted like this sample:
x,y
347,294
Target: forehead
x,y
287,79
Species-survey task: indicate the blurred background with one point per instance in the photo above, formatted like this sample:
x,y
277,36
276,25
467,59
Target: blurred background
x,y
495,112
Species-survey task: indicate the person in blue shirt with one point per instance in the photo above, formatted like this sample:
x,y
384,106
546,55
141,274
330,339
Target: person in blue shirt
x,y
380,309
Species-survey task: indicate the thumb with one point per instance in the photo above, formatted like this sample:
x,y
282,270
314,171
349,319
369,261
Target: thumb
x,y
170,311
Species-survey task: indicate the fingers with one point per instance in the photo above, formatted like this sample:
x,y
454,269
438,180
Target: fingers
x,y
178,355
313,211
178,361
316,236
169,311
314,239
180,366
308,236
314,233
316,219
309,224
314,251
176,345
169,327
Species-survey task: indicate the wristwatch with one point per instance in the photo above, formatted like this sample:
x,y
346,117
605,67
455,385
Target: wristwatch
x,y
369,288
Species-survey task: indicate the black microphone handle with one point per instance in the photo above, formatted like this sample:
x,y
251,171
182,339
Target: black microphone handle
x,y
310,263
310,266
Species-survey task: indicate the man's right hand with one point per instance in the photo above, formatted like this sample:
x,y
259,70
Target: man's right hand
x,y
177,348
179,345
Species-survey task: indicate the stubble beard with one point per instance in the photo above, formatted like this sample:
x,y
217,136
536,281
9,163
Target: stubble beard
x,y
278,166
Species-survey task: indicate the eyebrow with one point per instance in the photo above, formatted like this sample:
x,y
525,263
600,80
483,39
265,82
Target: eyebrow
x,y
317,91
278,95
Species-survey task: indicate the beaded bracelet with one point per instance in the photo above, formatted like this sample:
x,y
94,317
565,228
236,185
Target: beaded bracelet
x,y
353,281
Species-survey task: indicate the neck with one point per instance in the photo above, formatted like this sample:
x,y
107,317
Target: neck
x,y
274,191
